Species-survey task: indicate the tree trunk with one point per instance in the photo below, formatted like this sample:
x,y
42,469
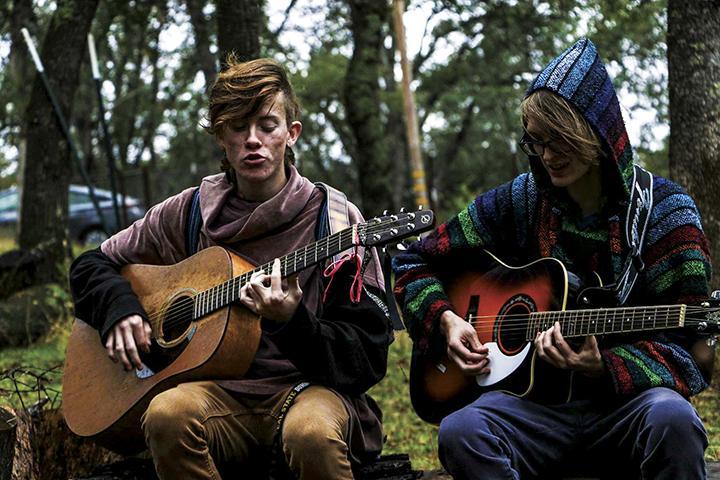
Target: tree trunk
x,y
239,24
204,58
694,78
47,168
395,137
362,102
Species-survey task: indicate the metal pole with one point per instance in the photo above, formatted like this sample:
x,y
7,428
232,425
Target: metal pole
x,y
64,126
106,134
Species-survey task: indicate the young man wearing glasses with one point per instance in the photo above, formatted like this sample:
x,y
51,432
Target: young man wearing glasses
x,y
628,414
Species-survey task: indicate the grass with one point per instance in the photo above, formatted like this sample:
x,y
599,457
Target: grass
x,y
406,433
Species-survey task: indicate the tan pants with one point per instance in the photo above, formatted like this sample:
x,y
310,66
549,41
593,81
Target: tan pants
x,y
199,431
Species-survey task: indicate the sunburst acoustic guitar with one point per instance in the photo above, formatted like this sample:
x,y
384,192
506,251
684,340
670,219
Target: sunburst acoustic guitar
x,y
508,306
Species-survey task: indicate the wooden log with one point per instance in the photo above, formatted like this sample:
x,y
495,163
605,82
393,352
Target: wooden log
x,y
387,467
17,461
39,446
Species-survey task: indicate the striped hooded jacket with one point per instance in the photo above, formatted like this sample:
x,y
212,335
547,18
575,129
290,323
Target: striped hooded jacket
x,y
527,218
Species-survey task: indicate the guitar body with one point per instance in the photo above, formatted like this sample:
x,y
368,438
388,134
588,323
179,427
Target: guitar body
x,y
498,301
103,401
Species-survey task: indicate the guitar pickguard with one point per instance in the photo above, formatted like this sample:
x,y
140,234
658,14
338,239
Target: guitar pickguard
x,y
501,365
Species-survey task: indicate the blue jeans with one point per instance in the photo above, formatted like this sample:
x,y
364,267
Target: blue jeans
x,y
655,435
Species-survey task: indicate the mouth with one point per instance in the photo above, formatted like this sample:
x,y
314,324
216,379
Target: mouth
x,y
253,159
556,167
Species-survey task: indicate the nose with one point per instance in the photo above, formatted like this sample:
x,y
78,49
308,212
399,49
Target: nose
x,y
548,153
252,140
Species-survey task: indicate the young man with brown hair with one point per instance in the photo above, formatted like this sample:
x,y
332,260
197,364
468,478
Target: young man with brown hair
x,y
260,208
627,415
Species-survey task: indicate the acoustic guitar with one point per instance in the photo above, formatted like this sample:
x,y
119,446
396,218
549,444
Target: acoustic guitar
x,y
199,331
508,306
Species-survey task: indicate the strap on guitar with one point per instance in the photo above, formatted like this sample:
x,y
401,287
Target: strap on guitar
x,y
636,221
334,218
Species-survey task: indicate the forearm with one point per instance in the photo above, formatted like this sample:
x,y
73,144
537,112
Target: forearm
x,y
102,296
645,364
344,348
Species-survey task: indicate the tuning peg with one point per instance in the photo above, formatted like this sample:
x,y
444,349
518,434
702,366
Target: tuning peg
x,y
401,246
376,237
420,207
402,210
715,295
410,226
385,212
712,341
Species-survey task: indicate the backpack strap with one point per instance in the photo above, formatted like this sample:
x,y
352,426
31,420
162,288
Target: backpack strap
x,y
333,216
636,222
193,224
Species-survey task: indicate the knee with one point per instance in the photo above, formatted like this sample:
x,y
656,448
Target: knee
x,y
672,424
670,413
169,414
311,437
462,428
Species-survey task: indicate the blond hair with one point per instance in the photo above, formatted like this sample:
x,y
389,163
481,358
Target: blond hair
x,y
557,118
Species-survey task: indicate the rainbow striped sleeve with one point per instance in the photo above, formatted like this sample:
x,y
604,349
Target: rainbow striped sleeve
x,y
677,270
482,224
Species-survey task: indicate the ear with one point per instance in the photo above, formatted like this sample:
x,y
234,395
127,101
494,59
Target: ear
x,y
219,141
294,130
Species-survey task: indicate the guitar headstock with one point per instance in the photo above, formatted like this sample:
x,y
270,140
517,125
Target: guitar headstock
x,y
385,229
709,317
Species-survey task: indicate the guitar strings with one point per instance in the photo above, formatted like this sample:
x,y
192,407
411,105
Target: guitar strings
x,y
524,323
612,310
184,310
231,285
179,313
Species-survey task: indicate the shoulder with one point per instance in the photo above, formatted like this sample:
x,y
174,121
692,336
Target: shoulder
x,y
175,204
516,195
672,200
663,188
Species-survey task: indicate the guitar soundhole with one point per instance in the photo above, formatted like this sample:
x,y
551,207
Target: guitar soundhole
x,y
178,318
510,329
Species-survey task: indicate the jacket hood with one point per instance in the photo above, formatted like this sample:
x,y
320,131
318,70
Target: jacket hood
x,y
579,76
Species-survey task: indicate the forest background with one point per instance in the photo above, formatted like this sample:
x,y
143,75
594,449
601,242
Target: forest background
x,y
471,62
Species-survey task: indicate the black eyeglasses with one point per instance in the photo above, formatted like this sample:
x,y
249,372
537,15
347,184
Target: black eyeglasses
x,y
532,147
536,148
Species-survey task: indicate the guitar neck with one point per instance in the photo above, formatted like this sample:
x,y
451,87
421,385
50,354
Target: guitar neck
x,y
603,321
228,292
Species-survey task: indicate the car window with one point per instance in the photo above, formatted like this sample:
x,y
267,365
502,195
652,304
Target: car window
x,y
8,202
79,198
76,197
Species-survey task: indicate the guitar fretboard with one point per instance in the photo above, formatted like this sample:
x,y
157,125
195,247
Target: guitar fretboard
x,y
227,292
581,323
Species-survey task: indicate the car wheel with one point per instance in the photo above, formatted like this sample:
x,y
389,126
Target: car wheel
x,y
94,236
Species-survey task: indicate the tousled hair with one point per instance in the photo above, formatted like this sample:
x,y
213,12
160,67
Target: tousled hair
x,y
242,89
